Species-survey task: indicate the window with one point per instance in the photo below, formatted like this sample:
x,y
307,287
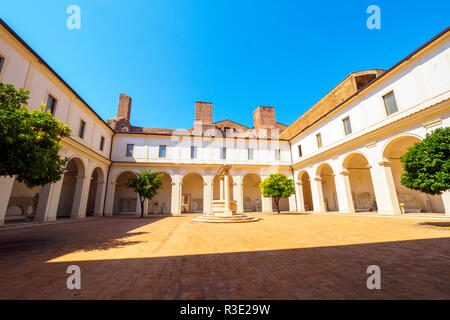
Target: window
x,y
81,129
51,104
223,153
102,143
389,103
319,140
300,151
193,152
162,151
250,153
277,154
130,148
2,61
347,125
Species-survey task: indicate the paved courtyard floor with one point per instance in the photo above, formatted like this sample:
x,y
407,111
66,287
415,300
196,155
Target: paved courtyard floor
x,y
279,257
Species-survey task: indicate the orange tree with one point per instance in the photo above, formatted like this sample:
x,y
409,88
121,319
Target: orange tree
x,y
277,186
146,185
426,164
30,141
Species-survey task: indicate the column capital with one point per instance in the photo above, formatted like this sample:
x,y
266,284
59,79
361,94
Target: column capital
x,y
299,183
318,179
385,163
345,173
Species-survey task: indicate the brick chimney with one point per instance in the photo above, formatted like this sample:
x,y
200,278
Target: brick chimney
x,y
203,117
124,109
264,118
203,112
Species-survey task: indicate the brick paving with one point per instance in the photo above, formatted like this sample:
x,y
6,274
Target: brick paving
x,y
279,257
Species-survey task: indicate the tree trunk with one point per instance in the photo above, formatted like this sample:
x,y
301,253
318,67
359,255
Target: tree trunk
x,y
277,201
142,206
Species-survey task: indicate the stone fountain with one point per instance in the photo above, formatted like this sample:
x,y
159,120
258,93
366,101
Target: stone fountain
x,y
224,210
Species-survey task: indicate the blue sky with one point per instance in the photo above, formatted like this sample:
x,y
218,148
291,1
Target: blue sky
x,y
236,54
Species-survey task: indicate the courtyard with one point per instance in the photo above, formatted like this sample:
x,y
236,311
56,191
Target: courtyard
x,y
287,256
280,257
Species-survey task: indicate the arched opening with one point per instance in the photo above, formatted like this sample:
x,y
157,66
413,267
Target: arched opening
x,y
125,199
252,193
306,190
192,193
363,194
325,172
162,201
93,206
411,200
22,203
218,188
72,185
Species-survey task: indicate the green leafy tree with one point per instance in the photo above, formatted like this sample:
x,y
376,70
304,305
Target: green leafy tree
x,y
146,185
277,186
426,165
30,141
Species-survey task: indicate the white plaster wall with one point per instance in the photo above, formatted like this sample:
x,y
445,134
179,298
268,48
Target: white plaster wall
x,y
15,68
146,149
421,84
22,70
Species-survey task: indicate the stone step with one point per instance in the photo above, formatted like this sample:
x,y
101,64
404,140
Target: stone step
x,y
225,219
234,217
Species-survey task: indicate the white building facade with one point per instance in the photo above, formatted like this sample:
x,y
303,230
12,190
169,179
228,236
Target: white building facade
x,y
343,153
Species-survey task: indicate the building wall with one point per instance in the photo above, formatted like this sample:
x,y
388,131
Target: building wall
x,y
423,82
24,70
421,87
146,149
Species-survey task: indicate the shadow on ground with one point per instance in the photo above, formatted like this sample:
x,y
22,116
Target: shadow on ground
x,y
444,225
414,269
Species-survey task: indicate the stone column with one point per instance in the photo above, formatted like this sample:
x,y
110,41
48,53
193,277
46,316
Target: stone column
x,y
6,185
344,193
299,195
446,200
84,197
207,194
292,203
78,198
47,208
317,195
175,202
266,204
226,182
109,199
222,189
138,205
238,193
99,199
147,207
384,188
